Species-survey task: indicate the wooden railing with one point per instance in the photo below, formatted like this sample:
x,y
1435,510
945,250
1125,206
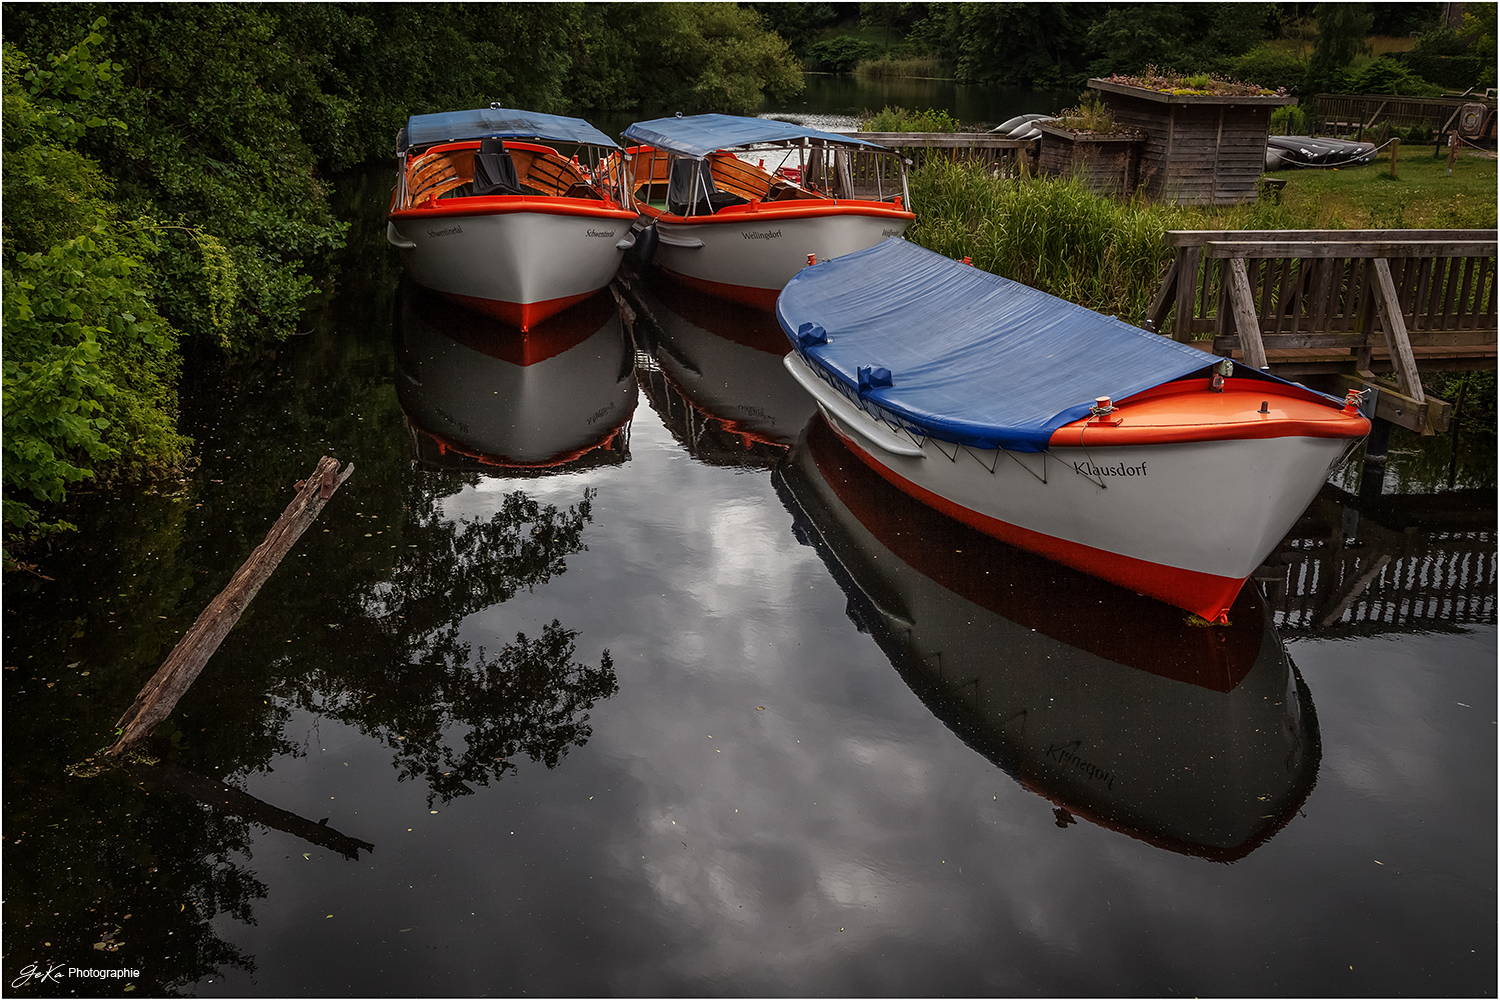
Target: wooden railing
x,y
1331,579
1342,303
1345,113
1011,157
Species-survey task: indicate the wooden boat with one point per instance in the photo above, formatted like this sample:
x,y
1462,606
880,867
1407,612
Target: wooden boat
x,y
487,214
1105,703
1096,444
722,220
483,397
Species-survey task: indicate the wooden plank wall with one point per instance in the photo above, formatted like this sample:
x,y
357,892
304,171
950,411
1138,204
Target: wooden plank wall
x,y
1197,154
1105,166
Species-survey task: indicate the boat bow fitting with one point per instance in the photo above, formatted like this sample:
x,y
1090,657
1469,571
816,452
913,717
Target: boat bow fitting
x,y
394,238
849,415
690,242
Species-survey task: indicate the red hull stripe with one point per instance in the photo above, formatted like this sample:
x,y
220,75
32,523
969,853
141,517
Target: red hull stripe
x,y
544,340
749,327
808,208
446,445
524,315
760,298
1204,594
507,204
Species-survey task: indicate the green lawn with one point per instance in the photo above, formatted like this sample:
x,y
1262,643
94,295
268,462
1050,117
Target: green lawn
x,y
1421,196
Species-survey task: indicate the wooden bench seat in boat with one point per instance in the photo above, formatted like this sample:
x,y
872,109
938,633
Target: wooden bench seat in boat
x,y
450,173
651,171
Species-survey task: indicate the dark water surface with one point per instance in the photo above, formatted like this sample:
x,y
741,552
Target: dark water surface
x,y
695,705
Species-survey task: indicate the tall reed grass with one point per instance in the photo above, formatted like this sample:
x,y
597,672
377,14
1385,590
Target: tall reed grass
x,y
1056,235
889,66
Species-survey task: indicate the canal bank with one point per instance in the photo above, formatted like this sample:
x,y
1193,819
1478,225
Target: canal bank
x,y
624,729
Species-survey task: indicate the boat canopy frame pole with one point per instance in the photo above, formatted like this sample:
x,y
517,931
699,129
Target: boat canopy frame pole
x,y
700,187
629,179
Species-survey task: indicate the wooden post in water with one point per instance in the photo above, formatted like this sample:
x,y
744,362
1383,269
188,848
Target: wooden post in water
x,y
186,661
1372,474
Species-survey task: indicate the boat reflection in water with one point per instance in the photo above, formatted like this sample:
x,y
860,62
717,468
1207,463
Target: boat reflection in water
x,y
723,390
1201,740
481,395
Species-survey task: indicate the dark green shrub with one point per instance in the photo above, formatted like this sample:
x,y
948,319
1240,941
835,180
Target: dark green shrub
x,y
842,54
1269,68
1388,76
1289,120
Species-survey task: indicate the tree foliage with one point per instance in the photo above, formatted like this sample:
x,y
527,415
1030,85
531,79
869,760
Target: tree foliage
x,y
1463,57
165,172
1342,28
692,57
1061,44
841,53
90,366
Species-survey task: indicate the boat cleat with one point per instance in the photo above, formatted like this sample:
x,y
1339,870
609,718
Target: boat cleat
x,y
1104,413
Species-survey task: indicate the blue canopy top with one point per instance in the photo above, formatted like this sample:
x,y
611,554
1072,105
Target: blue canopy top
x,y
499,123
958,354
699,135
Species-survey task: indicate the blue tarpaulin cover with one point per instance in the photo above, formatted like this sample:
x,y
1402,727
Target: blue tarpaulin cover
x,y
972,358
499,123
699,135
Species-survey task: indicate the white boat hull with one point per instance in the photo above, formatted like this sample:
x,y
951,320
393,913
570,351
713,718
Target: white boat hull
x,y
993,643
468,382
749,257
726,360
1184,522
521,266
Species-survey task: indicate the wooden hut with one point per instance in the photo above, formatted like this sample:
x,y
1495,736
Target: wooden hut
x,y
1199,149
1107,163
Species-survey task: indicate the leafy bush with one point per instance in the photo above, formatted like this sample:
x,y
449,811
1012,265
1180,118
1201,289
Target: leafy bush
x,y
1091,115
1455,72
898,119
213,149
1269,67
842,53
1289,120
1388,76
688,57
89,366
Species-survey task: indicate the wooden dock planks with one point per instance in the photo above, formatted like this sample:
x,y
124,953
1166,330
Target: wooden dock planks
x,y
1348,305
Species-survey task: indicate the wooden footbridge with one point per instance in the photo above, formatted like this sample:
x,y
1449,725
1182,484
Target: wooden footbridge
x,y
1347,309
1403,565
